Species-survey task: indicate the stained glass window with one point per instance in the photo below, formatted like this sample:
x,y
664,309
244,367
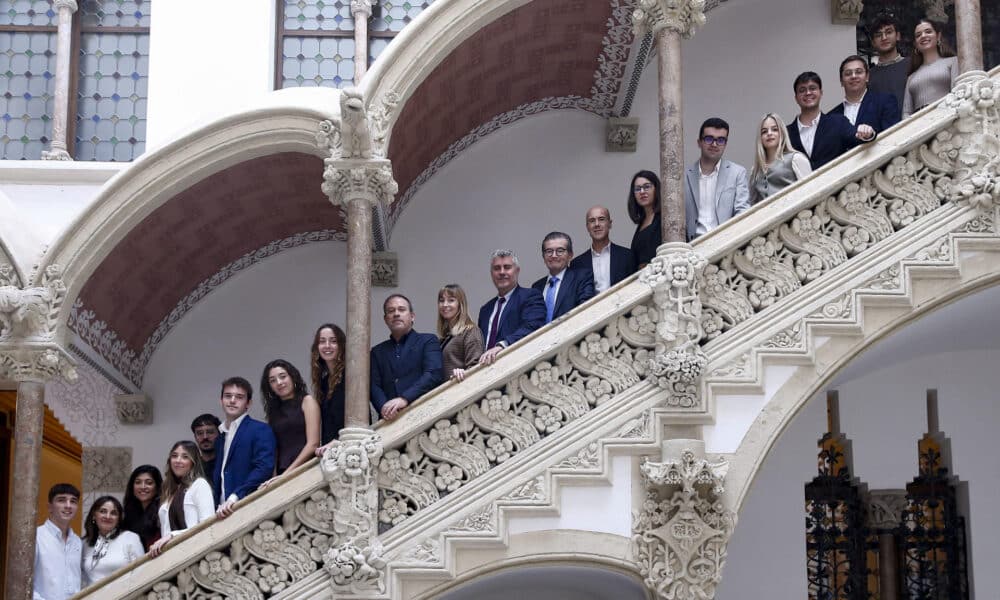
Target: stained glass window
x,y
27,77
394,15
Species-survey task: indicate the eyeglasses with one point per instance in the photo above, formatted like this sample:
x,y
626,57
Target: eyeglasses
x,y
711,140
853,72
554,251
884,33
643,188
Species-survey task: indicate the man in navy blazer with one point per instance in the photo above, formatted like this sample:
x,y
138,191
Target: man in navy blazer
x,y
606,263
862,105
563,289
405,366
513,313
822,137
716,189
244,450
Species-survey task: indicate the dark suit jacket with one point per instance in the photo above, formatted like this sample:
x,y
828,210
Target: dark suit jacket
x,y
408,369
250,462
834,137
881,111
575,288
622,263
524,313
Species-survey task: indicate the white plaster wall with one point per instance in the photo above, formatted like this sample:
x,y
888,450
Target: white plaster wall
x,y
883,414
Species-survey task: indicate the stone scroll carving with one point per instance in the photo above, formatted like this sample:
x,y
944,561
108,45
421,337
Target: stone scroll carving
x,y
683,529
681,16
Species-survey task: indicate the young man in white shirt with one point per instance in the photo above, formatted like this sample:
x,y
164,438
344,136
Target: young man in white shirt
x,y
57,547
716,189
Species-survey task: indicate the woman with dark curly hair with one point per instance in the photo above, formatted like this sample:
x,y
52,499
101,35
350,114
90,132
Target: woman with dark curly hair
x,y
142,501
644,210
294,415
327,365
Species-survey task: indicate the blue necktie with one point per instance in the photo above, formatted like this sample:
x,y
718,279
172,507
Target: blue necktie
x,y
550,299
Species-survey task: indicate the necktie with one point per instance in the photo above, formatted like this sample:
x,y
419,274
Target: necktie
x,y
495,323
550,299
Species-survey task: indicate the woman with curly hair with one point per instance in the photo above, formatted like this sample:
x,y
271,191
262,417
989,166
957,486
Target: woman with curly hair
x,y
327,365
294,415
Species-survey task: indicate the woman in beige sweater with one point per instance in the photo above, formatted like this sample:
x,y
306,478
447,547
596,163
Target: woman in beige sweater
x,y
461,340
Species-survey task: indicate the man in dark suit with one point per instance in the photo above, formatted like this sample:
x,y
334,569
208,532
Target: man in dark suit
x,y
822,137
244,450
405,366
563,289
862,105
606,263
513,313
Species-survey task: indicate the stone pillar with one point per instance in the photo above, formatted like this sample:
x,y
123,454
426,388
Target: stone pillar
x,y
30,356
669,20
360,10
357,176
885,514
60,103
969,33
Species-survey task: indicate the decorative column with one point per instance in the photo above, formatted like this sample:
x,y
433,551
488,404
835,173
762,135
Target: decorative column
x,y
361,10
969,33
357,175
885,514
681,534
60,103
30,356
668,20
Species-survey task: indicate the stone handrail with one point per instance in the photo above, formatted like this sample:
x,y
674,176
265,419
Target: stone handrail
x,y
453,437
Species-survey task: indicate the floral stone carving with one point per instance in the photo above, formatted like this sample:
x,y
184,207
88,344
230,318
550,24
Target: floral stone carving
x,y
681,534
682,16
971,149
354,561
31,314
134,409
675,275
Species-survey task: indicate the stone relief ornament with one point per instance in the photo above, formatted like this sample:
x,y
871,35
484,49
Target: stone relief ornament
x,y
385,269
681,16
885,508
36,363
31,314
106,468
8,276
971,148
675,274
622,134
354,559
134,409
682,531
847,12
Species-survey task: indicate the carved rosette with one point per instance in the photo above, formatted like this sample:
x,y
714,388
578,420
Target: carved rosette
x,y
354,559
681,534
972,144
676,275
680,16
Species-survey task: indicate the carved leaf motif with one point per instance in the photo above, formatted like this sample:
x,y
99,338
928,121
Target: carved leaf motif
x,y
851,207
593,356
443,443
899,180
269,543
407,484
543,386
215,572
805,234
759,261
491,415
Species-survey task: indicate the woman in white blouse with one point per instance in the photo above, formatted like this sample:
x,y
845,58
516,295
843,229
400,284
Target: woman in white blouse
x,y
186,495
106,546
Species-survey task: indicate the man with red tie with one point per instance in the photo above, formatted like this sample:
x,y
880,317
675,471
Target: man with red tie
x,y
514,312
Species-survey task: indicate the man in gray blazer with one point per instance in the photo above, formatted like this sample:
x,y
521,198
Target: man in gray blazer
x,y
715,189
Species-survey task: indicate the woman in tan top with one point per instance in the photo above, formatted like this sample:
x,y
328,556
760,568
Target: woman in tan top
x,y
461,340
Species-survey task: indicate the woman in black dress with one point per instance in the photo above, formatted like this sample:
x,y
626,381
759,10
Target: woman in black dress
x,y
644,209
292,413
327,374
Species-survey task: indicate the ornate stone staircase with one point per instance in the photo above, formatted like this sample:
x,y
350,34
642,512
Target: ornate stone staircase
x,y
724,341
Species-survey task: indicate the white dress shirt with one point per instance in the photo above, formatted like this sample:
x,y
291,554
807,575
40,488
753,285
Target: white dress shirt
x,y
496,307
807,133
602,268
707,185
199,505
851,108
107,556
230,432
57,563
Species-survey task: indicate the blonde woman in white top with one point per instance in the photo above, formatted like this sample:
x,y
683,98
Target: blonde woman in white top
x,y
777,165
186,495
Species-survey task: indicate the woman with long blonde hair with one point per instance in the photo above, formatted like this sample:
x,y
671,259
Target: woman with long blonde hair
x,y
186,497
461,341
777,165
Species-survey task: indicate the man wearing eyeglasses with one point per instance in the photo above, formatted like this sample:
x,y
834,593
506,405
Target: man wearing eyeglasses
x,y
888,75
563,289
716,189
822,137
862,105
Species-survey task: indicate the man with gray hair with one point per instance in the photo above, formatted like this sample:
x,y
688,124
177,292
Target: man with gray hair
x,y
513,313
563,289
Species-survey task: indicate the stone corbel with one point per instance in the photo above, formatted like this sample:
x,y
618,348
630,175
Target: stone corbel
x,y
681,16
681,534
676,275
385,269
134,409
970,149
885,509
846,12
622,134
354,560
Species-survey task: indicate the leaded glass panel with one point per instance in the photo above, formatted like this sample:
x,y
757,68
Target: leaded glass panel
x,y
111,96
317,62
27,12
393,15
318,15
27,78
376,46
115,13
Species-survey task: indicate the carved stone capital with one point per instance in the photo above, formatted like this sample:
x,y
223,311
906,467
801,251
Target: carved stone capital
x,y
35,362
134,409
31,314
970,149
681,534
681,16
56,154
885,508
60,4
361,132
385,269
106,468
846,12
936,10
622,134
354,560
676,275
369,180
361,7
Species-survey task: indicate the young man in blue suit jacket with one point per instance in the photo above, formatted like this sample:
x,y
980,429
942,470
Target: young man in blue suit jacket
x,y
407,365
563,289
862,105
244,450
513,313
605,262
822,137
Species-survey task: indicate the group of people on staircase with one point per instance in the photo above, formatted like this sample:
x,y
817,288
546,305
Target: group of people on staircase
x,y
232,457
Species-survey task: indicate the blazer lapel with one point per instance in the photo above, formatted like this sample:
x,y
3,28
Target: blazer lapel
x,y
564,288
512,303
